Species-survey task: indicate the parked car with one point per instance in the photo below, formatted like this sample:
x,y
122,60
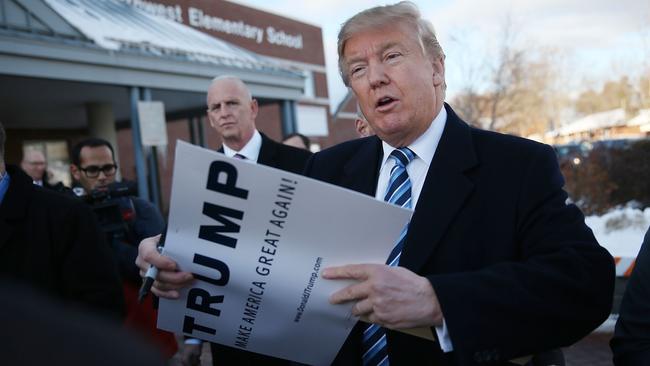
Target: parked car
x,y
573,153
614,144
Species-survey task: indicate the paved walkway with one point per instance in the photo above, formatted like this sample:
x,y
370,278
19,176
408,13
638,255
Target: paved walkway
x,y
594,349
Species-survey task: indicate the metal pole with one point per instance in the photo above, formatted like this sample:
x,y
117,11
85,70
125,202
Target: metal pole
x,y
152,162
288,117
154,178
191,124
140,168
201,121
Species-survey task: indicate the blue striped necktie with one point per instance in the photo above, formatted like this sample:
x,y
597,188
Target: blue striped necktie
x,y
398,192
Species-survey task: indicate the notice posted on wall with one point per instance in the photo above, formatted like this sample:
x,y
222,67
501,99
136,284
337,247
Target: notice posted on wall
x,y
256,240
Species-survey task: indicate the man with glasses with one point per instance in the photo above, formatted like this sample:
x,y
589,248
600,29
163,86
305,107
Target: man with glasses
x,y
93,168
93,164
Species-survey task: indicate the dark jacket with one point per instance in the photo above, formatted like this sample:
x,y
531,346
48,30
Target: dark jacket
x,y
280,156
515,268
51,241
631,342
38,330
146,222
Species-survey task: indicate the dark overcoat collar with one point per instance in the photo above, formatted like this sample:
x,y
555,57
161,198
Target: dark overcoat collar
x,y
445,189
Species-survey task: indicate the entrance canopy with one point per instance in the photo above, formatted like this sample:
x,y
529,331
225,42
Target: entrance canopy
x,y
73,68
58,55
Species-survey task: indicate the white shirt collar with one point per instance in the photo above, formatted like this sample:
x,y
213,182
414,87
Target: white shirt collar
x,y
424,146
251,150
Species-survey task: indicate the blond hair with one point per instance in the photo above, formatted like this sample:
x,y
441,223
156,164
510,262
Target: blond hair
x,y
404,12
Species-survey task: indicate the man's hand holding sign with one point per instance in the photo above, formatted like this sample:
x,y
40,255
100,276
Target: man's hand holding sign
x,y
169,279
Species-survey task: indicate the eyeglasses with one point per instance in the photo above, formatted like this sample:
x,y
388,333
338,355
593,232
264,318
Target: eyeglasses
x,y
92,171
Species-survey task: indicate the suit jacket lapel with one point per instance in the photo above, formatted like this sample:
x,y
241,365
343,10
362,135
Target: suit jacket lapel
x,y
361,171
268,152
445,189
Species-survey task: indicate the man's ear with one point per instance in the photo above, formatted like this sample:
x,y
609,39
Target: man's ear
x,y
358,124
438,71
212,123
254,108
74,170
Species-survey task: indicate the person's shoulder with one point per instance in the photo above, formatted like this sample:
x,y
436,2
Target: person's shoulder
x,y
507,146
333,161
509,141
492,141
275,147
59,204
347,148
64,198
142,206
140,201
294,151
149,220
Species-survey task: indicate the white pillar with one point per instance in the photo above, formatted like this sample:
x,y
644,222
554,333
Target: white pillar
x,y
101,123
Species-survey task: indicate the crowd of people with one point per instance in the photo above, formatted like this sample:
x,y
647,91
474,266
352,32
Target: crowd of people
x,y
494,260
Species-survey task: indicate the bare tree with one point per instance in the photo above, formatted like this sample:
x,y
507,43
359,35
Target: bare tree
x,y
469,101
522,93
506,74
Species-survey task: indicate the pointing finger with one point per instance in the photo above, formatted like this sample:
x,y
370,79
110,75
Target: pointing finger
x,y
359,272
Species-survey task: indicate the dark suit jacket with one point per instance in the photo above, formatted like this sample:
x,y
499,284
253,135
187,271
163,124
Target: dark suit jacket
x,y
631,342
515,269
290,159
280,156
51,241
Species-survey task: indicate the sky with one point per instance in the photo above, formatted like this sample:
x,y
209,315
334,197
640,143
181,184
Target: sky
x,y
599,40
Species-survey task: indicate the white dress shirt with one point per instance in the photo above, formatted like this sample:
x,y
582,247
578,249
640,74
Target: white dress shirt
x,y
424,148
251,150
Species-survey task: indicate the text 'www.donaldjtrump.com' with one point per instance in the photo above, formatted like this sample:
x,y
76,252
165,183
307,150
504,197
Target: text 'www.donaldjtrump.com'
x,y
307,291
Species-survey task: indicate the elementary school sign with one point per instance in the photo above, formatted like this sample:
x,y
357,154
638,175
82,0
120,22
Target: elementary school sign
x,y
259,31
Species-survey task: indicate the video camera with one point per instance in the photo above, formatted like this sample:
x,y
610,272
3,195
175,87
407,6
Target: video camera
x,y
116,215
113,208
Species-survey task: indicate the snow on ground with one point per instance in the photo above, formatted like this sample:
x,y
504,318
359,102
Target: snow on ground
x,y
621,231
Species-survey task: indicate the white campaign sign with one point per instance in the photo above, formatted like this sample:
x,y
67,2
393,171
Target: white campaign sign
x,y
257,239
